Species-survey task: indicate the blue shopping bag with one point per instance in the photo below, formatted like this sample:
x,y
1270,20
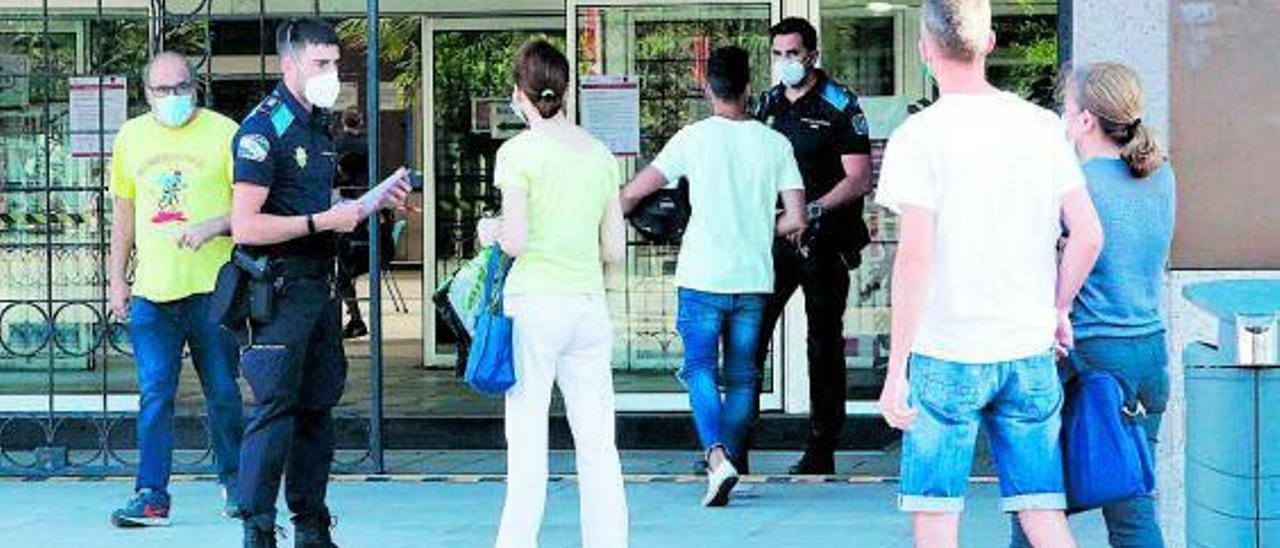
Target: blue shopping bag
x,y
1106,457
491,367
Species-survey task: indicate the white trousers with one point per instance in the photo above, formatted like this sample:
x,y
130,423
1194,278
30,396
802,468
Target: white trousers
x,y
565,340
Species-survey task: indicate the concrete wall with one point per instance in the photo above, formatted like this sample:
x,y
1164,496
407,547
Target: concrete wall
x,y
1136,33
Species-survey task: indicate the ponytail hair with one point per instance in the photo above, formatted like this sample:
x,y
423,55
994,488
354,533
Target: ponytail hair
x,y
542,73
1113,94
1142,153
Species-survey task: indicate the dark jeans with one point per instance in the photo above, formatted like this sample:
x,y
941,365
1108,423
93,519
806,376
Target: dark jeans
x,y
707,321
297,371
824,277
1143,363
158,332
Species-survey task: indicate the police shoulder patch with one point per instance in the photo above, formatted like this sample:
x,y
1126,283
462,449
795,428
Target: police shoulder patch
x,y
253,147
838,96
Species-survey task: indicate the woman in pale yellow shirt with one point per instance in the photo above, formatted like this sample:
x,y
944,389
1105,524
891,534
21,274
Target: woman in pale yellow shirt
x,y
562,222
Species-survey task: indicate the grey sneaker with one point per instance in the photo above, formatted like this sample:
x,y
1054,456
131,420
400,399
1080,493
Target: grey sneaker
x,y
149,508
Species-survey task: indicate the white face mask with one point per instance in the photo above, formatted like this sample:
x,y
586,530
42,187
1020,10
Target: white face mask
x,y
322,89
515,107
789,72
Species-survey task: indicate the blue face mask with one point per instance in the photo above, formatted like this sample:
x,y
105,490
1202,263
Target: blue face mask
x,y
174,110
791,72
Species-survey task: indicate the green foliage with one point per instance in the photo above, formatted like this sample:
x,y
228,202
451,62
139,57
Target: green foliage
x,y
475,65
670,95
399,40
1026,61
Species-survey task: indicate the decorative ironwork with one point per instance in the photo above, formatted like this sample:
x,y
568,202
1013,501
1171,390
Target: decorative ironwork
x,y
65,363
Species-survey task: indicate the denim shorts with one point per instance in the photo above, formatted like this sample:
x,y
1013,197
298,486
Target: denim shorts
x,y
1017,401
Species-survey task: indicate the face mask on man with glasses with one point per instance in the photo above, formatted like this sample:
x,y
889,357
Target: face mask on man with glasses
x,y
173,105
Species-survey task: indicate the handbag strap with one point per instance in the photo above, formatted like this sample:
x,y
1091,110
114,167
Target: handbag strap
x,y
1132,407
495,278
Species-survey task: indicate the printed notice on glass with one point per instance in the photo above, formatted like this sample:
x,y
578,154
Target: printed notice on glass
x,y
609,107
99,106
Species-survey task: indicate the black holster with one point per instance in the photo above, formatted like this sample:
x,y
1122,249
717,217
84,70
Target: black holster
x,y
262,283
245,291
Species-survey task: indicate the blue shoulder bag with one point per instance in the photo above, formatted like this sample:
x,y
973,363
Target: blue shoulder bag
x,y
1106,457
491,367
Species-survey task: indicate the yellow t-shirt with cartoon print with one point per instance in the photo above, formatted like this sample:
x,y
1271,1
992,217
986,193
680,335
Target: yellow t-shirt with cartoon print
x,y
177,178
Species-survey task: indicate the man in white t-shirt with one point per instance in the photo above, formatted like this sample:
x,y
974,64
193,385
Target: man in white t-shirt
x,y
984,182
737,168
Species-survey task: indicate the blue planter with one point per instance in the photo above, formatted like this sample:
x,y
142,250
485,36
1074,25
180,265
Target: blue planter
x,y
1233,456
1233,426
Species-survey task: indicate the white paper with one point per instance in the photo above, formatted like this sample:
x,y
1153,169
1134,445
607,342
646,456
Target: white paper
x,y
99,106
609,108
370,200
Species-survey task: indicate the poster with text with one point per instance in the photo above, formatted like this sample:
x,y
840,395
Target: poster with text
x,y
99,106
609,108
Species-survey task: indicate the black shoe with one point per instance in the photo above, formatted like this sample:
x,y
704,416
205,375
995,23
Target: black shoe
x,y
814,464
256,536
355,329
313,531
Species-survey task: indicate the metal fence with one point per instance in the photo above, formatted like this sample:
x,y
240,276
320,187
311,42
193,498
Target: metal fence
x,y
68,78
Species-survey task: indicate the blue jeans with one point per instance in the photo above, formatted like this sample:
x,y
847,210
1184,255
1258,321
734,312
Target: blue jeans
x,y
1018,401
159,331
705,321
1143,363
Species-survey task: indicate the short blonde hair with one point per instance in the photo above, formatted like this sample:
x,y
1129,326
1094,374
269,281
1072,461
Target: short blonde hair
x,y
961,27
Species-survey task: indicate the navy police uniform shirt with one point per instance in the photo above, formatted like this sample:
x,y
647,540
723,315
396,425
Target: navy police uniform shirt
x,y
289,150
823,125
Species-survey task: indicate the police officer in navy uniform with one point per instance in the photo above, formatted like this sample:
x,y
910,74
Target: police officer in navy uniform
x,y
284,210
828,133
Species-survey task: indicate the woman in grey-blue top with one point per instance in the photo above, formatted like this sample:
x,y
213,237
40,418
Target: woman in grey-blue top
x,y
1117,321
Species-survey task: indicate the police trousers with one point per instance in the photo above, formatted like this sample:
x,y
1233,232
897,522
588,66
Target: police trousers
x,y
296,370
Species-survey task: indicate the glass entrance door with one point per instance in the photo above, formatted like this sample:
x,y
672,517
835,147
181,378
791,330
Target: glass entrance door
x,y
663,48
468,85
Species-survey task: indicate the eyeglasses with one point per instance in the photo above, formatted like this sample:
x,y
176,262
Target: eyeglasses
x,y
180,88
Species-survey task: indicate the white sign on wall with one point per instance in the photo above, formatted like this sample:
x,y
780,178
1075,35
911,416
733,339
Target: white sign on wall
x,y
609,108
99,106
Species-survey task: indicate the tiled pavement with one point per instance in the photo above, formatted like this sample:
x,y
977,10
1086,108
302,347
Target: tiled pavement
x,y
427,507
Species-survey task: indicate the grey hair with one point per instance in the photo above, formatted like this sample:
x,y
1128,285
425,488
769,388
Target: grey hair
x,y
961,27
167,56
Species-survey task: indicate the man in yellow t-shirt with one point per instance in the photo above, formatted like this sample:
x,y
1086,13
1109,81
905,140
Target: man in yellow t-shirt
x,y
171,191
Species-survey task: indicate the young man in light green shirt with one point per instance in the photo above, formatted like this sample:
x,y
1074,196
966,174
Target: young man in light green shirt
x,y
737,169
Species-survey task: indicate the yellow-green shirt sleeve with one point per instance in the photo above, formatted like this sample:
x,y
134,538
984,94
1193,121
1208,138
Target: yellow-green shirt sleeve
x,y
510,166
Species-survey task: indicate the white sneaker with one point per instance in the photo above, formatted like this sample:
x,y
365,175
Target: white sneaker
x,y
720,484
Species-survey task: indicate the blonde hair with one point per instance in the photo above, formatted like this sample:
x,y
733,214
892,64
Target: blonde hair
x,y
961,27
1113,94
